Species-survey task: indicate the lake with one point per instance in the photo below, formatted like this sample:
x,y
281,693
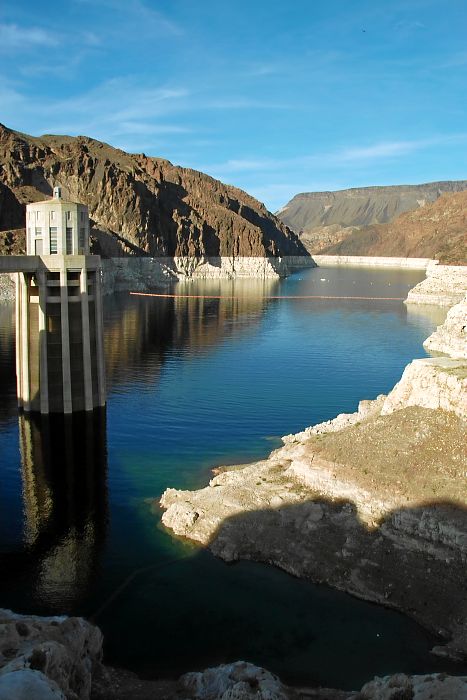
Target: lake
x,y
195,383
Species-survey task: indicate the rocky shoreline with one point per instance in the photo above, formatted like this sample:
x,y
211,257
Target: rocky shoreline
x,y
373,503
145,273
60,658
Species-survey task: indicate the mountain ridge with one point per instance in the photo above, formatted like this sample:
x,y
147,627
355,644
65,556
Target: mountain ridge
x,y
370,205
370,220
138,205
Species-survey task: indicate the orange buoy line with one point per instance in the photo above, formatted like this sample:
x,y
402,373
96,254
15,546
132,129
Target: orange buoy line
x,y
212,296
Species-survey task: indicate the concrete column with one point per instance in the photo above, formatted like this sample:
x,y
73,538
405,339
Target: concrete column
x,y
66,369
100,337
19,379
43,360
24,393
88,406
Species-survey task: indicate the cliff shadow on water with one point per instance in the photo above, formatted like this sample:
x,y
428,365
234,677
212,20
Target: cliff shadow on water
x,y
413,561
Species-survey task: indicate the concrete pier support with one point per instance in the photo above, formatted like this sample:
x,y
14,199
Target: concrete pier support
x,y
59,335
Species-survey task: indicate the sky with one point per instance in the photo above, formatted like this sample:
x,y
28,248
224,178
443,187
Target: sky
x,y
275,98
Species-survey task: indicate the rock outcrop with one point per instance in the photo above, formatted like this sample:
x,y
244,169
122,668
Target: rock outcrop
x,y
237,681
47,658
408,221
427,687
59,658
138,205
451,337
444,285
437,383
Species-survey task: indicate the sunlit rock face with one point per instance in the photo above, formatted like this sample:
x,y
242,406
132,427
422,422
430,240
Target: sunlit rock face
x,y
451,337
141,205
431,383
444,285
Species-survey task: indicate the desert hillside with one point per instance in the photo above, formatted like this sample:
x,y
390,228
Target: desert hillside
x,y
408,220
138,205
437,230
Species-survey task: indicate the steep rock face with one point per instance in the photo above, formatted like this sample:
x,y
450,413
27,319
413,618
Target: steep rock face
x,y
451,337
431,383
139,205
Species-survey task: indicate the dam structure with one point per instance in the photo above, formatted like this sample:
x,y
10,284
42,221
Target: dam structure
x,y
59,328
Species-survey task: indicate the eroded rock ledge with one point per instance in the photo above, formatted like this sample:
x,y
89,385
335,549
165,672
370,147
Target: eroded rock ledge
x,y
444,285
451,337
373,503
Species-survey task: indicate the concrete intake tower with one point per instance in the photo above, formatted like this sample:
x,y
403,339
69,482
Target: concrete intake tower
x,y
59,329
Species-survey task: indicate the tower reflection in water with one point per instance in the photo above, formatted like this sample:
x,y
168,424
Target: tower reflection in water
x,y
64,475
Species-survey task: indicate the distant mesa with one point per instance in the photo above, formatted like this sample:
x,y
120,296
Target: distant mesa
x,y
138,205
428,220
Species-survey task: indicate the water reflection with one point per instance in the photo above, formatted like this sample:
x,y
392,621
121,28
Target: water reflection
x,y
418,314
8,404
63,472
150,328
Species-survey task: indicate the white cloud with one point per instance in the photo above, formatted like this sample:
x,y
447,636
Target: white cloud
x,y
119,111
379,150
133,18
14,37
343,157
149,128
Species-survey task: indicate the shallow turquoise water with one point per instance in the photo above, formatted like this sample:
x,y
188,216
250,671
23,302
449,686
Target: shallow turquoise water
x,y
194,383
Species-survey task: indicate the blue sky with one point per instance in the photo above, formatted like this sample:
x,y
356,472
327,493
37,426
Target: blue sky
x,y
276,99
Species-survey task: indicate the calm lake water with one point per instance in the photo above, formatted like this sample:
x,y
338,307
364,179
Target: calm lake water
x,y
192,384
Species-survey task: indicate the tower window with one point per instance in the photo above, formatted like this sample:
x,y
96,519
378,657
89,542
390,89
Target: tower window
x,y
82,235
69,240
53,240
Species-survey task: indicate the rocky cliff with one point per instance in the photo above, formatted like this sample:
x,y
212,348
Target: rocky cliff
x,y
139,205
415,221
